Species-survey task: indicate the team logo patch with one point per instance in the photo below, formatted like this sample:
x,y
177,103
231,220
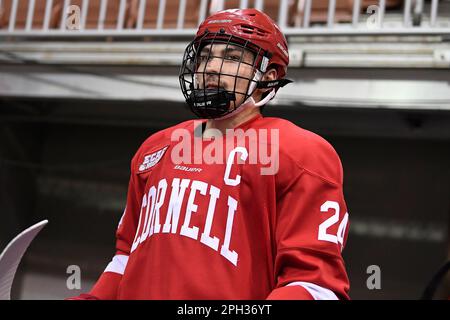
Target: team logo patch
x,y
152,159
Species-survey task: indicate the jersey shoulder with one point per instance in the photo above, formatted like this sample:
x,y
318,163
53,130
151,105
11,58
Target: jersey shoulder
x,y
306,149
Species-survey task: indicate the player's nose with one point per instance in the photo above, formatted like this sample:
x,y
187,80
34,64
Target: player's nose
x,y
214,65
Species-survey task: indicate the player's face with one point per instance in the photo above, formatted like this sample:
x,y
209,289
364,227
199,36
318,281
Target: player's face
x,y
232,63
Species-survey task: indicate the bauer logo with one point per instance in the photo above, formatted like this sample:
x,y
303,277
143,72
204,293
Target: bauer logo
x,y
152,159
283,49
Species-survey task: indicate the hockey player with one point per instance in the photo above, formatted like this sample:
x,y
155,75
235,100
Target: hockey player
x,y
212,214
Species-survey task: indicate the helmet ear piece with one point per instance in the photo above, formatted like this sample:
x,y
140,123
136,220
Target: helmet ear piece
x,y
278,83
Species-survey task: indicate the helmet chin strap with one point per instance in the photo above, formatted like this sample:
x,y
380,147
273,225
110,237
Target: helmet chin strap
x,y
245,105
265,100
256,84
250,102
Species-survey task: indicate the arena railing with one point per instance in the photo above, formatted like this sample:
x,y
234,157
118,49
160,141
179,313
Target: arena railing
x,y
81,18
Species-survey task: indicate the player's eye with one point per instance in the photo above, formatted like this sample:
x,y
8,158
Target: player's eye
x,y
233,57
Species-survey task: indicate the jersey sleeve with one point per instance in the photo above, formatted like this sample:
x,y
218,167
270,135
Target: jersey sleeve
x,y
107,285
311,231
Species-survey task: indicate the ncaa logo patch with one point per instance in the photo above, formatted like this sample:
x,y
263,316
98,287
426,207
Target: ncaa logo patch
x,y
152,159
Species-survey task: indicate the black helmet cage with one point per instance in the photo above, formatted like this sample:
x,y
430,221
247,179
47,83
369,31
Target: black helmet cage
x,y
218,102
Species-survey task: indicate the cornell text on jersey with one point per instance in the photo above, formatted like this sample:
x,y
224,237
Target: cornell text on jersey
x,y
173,193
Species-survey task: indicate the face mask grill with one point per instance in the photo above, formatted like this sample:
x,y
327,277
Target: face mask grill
x,y
219,72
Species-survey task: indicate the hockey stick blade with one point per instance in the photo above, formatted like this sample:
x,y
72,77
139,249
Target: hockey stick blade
x,y
12,255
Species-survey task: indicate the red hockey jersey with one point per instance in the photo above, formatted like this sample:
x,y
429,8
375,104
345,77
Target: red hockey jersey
x,y
220,219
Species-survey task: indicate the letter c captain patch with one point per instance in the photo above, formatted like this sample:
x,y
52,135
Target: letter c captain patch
x,y
151,160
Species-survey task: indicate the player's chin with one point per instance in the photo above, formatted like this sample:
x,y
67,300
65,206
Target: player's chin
x,y
239,99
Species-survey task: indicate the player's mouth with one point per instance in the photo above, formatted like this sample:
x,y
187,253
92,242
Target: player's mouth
x,y
214,86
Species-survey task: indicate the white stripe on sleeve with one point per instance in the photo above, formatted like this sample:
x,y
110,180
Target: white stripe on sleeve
x,y
317,292
118,264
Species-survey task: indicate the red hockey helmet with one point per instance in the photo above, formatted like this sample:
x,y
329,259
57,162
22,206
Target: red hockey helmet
x,y
249,29
254,26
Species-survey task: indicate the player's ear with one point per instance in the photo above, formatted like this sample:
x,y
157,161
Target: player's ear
x,y
270,74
